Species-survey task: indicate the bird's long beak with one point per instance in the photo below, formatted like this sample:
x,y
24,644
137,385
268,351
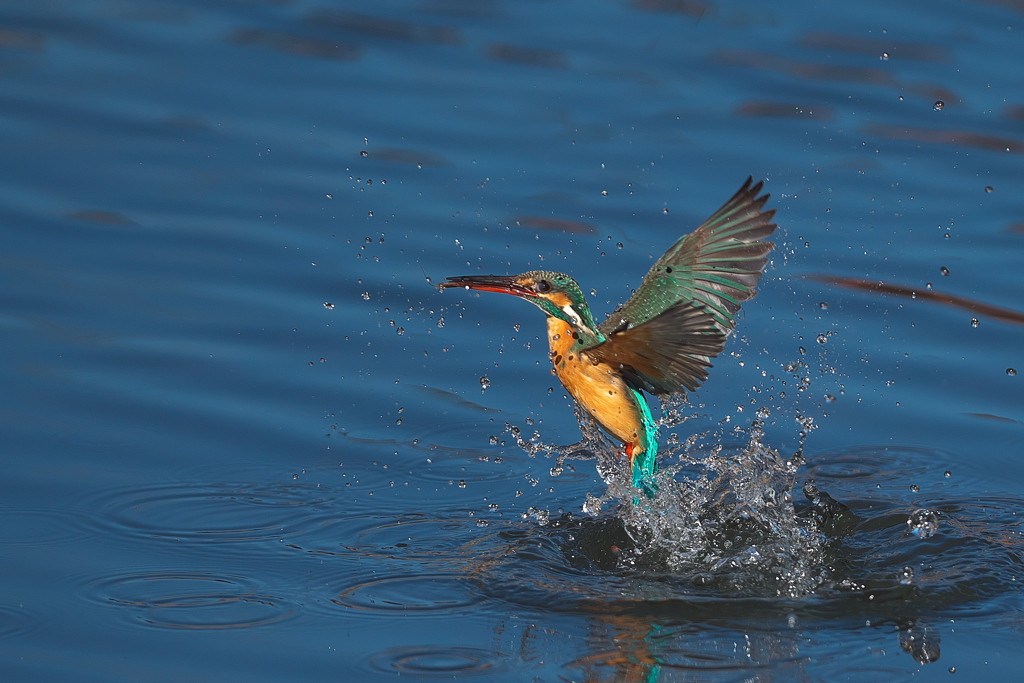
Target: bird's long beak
x,y
504,284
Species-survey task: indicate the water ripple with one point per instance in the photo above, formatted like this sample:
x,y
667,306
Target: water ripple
x,y
874,566
16,621
439,662
217,512
189,600
406,536
410,593
41,526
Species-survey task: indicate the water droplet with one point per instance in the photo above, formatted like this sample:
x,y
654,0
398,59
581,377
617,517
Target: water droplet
x,y
604,193
907,576
484,383
975,322
884,56
365,295
540,516
618,245
822,338
989,189
364,153
400,330
462,483
493,507
923,523
915,488
593,505
939,104
947,474
952,669
328,305
822,305
830,398
944,270
1011,372
369,214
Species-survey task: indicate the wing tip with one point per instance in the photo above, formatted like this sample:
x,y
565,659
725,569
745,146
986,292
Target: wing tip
x,y
750,192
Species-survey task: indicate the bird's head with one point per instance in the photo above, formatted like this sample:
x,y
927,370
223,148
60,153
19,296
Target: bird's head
x,y
556,294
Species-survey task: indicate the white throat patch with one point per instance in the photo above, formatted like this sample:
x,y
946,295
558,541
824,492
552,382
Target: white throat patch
x,y
577,320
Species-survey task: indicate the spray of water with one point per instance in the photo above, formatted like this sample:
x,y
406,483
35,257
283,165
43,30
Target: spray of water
x,y
722,514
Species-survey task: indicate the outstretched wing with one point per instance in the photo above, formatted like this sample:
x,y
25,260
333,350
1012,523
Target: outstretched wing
x,y
665,354
717,266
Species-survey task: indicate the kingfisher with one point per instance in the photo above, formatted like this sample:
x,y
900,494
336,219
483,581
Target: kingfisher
x,y
661,341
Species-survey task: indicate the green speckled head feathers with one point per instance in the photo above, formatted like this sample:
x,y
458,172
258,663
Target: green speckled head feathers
x,y
557,294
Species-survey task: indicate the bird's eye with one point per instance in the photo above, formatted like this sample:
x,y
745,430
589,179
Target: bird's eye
x,y
543,286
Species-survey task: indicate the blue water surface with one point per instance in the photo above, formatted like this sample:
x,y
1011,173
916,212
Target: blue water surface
x,y
244,438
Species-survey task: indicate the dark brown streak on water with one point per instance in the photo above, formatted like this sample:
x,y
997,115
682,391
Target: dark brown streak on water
x,y
784,110
13,39
994,418
407,156
555,225
455,399
1004,314
529,56
690,7
105,217
950,137
293,44
1012,4
807,70
382,27
875,47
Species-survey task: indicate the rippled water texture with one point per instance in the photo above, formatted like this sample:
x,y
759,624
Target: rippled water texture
x,y
245,439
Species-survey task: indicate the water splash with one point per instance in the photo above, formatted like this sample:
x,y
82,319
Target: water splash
x,y
923,523
722,515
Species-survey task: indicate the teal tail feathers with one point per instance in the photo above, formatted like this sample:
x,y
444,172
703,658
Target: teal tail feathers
x,y
645,462
645,466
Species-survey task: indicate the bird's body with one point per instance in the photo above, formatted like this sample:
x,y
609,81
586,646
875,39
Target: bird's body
x,y
600,389
662,339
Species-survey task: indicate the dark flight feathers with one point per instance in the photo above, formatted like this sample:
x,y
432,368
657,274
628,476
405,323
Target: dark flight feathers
x,y
667,353
664,337
717,266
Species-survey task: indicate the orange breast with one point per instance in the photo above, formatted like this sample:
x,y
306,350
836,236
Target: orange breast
x,y
598,388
